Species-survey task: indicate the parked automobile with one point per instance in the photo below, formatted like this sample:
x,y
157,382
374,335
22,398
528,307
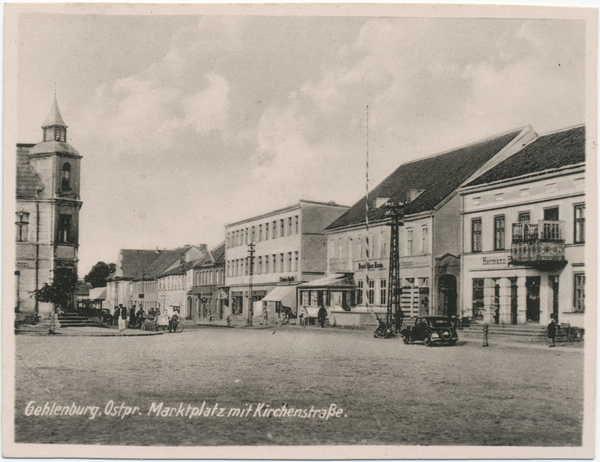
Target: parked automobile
x,y
430,330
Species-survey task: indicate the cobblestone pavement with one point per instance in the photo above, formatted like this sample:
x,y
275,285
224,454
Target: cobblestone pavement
x,y
219,386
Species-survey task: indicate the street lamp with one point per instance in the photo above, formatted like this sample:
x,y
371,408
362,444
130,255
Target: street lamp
x,y
395,211
250,299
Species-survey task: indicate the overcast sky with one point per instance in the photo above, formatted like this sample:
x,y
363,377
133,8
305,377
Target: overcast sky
x,y
186,123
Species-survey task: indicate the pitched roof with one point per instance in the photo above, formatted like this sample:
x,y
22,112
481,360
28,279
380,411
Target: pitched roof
x,y
213,257
28,182
552,151
133,261
437,177
164,261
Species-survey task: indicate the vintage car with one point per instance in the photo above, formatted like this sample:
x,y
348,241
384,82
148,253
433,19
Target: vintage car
x,y
430,330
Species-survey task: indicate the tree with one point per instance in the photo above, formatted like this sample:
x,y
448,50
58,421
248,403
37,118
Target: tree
x,y
61,292
98,274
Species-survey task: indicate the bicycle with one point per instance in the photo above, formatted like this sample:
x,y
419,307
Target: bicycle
x,y
565,334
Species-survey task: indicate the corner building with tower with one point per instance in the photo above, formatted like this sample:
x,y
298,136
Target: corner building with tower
x,y
47,212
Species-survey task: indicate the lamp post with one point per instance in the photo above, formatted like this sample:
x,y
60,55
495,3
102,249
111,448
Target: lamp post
x,y
250,298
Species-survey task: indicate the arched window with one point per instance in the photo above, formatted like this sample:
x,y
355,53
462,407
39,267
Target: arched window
x,y
66,177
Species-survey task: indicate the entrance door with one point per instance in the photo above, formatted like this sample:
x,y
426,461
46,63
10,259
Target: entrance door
x,y
447,294
496,301
513,301
533,298
554,285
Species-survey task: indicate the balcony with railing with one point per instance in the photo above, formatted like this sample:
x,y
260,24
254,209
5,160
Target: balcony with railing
x,y
538,243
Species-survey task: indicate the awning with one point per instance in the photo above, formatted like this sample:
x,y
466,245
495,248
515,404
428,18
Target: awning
x,y
284,294
335,280
99,293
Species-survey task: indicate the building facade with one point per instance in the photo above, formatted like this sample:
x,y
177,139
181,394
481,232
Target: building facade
x,y
206,300
47,213
429,240
289,248
524,235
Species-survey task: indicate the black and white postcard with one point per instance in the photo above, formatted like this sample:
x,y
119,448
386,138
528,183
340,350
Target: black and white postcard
x,y
299,231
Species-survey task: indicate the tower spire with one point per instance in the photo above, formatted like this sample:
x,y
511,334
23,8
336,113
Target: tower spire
x,y
54,126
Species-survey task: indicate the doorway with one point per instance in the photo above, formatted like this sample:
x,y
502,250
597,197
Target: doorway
x,y
514,307
448,296
554,285
533,298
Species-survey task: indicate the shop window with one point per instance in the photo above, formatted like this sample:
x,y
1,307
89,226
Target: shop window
x,y
359,292
305,298
579,235
476,235
499,232
313,298
371,292
22,226
478,297
579,292
66,177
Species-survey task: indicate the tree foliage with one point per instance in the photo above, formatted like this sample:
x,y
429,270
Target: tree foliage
x,y
98,274
61,292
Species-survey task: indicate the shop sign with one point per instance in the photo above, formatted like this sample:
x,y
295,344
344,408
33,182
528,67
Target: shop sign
x,y
369,265
22,264
496,261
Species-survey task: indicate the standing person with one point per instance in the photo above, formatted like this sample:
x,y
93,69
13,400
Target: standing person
x,y
132,317
304,317
266,316
121,315
322,315
141,317
399,319
552,330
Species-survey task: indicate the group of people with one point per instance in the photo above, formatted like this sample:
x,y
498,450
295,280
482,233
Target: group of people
x,y
321,316
131,318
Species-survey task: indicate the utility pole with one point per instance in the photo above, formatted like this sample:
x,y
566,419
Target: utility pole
x,y
250,298
395,211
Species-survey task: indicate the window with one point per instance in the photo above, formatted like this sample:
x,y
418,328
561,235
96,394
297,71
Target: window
x,y
281,263
551,214
579,293
340,248
499,232
524,217
295,261
274,229
22,226
424,239
289,266
253,234
281,228
266,264
409,241
359,292
274,263
260,232
59,134
383,291
383,252
297,224
359,248
266,231
478,297
66,177
371,246
290,226
305,297
371,292
64,229
579,235
313,298
476,235
259,271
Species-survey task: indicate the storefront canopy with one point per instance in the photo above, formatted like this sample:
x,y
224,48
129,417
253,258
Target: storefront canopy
x,y
336,280
284,294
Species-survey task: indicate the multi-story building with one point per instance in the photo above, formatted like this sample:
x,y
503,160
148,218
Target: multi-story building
x,y
47,212
136,280
289,248
524,235
430,243
206,300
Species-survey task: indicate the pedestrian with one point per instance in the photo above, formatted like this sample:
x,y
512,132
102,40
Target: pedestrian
x,y
399,319
265,316
322,315
173,321
140,317
121,315
304,317
132,317
552,330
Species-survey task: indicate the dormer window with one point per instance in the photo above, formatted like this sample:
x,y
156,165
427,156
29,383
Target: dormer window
x,y
66,177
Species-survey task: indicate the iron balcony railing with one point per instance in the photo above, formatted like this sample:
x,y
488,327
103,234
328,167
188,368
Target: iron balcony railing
x,y
543,230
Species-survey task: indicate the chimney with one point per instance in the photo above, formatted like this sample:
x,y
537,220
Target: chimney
x,y
203,248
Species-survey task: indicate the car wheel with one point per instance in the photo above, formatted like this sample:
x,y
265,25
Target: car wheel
x,y
406,338
427,340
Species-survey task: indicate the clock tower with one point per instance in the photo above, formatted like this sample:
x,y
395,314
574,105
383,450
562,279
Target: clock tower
x,y
48,205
